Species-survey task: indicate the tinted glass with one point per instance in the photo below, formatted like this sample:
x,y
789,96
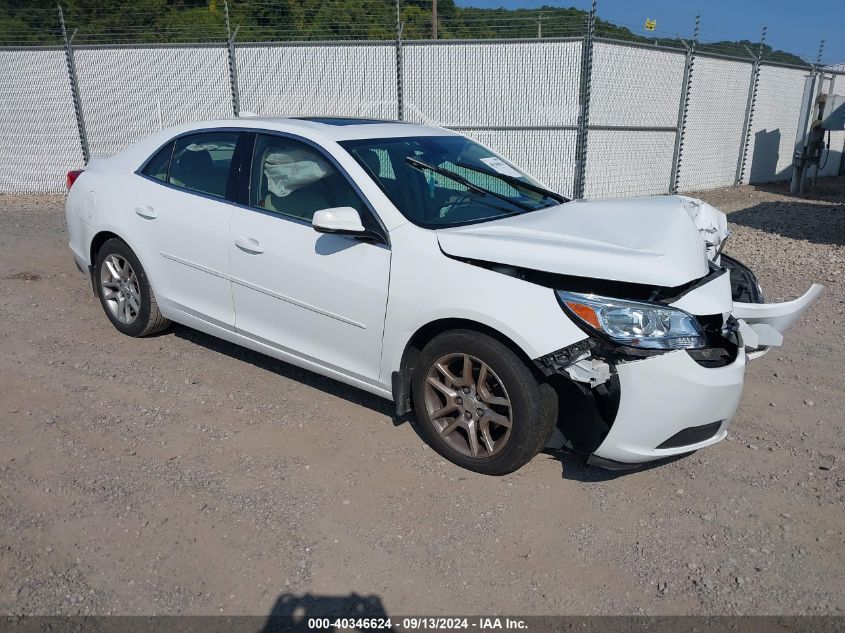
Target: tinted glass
x,y
438,181
201,162
160,163
294,179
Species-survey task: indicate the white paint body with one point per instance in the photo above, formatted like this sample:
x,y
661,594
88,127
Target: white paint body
x,y
347,308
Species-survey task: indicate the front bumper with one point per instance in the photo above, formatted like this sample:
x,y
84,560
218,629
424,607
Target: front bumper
x,y
665,395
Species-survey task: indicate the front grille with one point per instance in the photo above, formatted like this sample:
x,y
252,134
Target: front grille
x,y
692,435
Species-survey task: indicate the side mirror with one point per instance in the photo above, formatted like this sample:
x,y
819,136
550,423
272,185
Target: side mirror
x,y
340,220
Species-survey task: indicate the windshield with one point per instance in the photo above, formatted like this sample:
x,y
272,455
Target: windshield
x,y
440,181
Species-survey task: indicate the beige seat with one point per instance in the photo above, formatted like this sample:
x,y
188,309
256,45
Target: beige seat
x,y
293,184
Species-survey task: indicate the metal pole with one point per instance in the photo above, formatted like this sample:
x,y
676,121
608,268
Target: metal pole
x,y
749,112
74,90
817,70
584,105
233,62
399,94
434,19
683,108
800,158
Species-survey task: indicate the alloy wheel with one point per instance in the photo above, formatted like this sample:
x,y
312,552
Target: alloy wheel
x,y
119,285
468,405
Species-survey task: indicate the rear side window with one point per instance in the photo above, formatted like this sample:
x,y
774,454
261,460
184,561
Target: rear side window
x,y
201,162
160,163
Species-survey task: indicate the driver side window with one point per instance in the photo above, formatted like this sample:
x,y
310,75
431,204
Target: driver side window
x,y
293,179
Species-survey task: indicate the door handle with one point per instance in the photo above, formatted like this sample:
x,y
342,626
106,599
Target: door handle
x,y
249,244
146,212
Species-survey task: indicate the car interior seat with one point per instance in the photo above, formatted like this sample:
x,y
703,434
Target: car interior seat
x,y
301,202
195,170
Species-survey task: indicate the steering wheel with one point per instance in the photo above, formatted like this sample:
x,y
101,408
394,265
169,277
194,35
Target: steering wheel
x,y
455,202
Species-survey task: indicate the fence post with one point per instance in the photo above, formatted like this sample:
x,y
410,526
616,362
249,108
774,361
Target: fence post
x,y
400,97
74,89
233,62
749,112
683,106
584,105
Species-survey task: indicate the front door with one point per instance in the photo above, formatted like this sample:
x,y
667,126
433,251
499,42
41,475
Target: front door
x,y
319,296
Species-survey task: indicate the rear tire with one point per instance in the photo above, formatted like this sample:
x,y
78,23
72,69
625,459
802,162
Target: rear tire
x,y
467,384
125,292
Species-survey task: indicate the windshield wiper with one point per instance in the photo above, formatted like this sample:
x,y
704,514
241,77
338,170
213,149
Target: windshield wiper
x,y
448,173
516,183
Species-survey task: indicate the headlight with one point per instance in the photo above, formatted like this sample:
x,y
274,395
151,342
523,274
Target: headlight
x,y
643,325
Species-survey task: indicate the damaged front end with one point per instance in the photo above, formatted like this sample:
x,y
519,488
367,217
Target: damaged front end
x,y
669,320
599,382
661,371
762,325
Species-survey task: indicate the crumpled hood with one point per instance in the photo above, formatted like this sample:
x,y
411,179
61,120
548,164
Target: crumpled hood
x,y
656,240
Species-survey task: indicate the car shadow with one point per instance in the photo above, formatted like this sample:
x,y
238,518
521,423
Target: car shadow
x,y
574,467
283,369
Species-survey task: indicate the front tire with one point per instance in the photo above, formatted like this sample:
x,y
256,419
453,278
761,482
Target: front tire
x,y
125,292
479,405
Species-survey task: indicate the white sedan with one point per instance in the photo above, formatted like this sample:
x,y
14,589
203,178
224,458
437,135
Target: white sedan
x,y
416,264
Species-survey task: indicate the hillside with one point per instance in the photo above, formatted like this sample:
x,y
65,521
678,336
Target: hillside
x,y
111,21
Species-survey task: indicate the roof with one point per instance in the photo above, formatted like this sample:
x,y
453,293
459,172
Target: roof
x,y
319,129
337,128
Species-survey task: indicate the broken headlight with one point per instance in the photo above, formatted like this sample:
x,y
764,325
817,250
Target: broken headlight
x,y
635,324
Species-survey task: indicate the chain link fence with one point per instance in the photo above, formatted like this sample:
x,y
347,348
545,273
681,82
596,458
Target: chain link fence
x,y
633,119
585,114
520,98
37,121
300,79
129,92
715,125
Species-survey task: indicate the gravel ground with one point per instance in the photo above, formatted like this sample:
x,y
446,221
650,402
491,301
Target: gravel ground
x,y
182,475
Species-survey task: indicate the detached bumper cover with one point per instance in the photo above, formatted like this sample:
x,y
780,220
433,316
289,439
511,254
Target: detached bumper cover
x,y
664,395
770,321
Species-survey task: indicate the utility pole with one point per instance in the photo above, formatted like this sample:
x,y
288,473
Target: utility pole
x,y
434,19
540,26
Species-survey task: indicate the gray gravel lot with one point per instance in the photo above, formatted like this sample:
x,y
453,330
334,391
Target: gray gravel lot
x,y
182,475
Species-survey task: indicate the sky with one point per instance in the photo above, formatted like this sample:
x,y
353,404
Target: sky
x,y
793,26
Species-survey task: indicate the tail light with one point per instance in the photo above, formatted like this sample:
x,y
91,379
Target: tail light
x,y
72,175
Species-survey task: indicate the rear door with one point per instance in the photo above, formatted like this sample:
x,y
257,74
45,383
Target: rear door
x,y
185,211
318,296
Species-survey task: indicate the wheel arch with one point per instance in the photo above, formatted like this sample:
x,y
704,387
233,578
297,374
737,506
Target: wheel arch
x,y
401,379
101,237
97,243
